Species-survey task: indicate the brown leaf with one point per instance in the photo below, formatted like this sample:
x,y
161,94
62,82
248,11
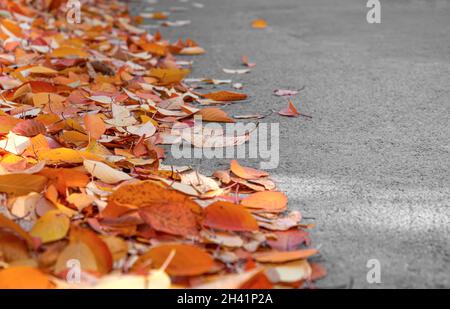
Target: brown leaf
x,y
12,247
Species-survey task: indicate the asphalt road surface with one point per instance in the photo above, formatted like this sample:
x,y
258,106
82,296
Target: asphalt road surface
x,y
372,167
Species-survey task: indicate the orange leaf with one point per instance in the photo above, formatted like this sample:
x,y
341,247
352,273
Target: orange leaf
x,y
259,24
12,27
64,178
229,217
289,111
187,261
246,172
169,76
24,277
94,125
12,247
284,256
171,218
154,48
146,193
21,184
225,96
215,114
65,52
7,123
11,226
267,201
90,249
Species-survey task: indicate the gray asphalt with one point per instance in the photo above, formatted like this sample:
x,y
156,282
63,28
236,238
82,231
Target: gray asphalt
x,y
372,168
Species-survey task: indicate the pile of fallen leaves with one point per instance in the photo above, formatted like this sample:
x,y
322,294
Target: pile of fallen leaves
x,y
85,111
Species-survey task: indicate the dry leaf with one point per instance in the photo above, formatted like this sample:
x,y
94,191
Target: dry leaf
x,y
104,172
229,217
246,172
259,24
225,96
187,261
23,277
214,114
267,201
94,125
52,226
21,184
284,256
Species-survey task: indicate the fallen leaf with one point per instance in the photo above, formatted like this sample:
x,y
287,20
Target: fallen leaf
x,y
289,111
187,261
169,76
259,24
95,126
236,71
104,172
24,277
52,226
171,217
215,115
284,256
225,96
285,92
290,272
90,251
267,201
289,240
12,247
12,227
229,217
233,281
21,184
246,172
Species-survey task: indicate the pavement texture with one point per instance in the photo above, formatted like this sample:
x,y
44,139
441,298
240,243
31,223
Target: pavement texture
x,y
372,167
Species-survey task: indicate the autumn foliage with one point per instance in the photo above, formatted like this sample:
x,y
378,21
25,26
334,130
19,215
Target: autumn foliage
x,y
85,111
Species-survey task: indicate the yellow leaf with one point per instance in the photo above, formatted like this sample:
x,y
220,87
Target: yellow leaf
x,y
169,76
65,52
52,226
65,155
